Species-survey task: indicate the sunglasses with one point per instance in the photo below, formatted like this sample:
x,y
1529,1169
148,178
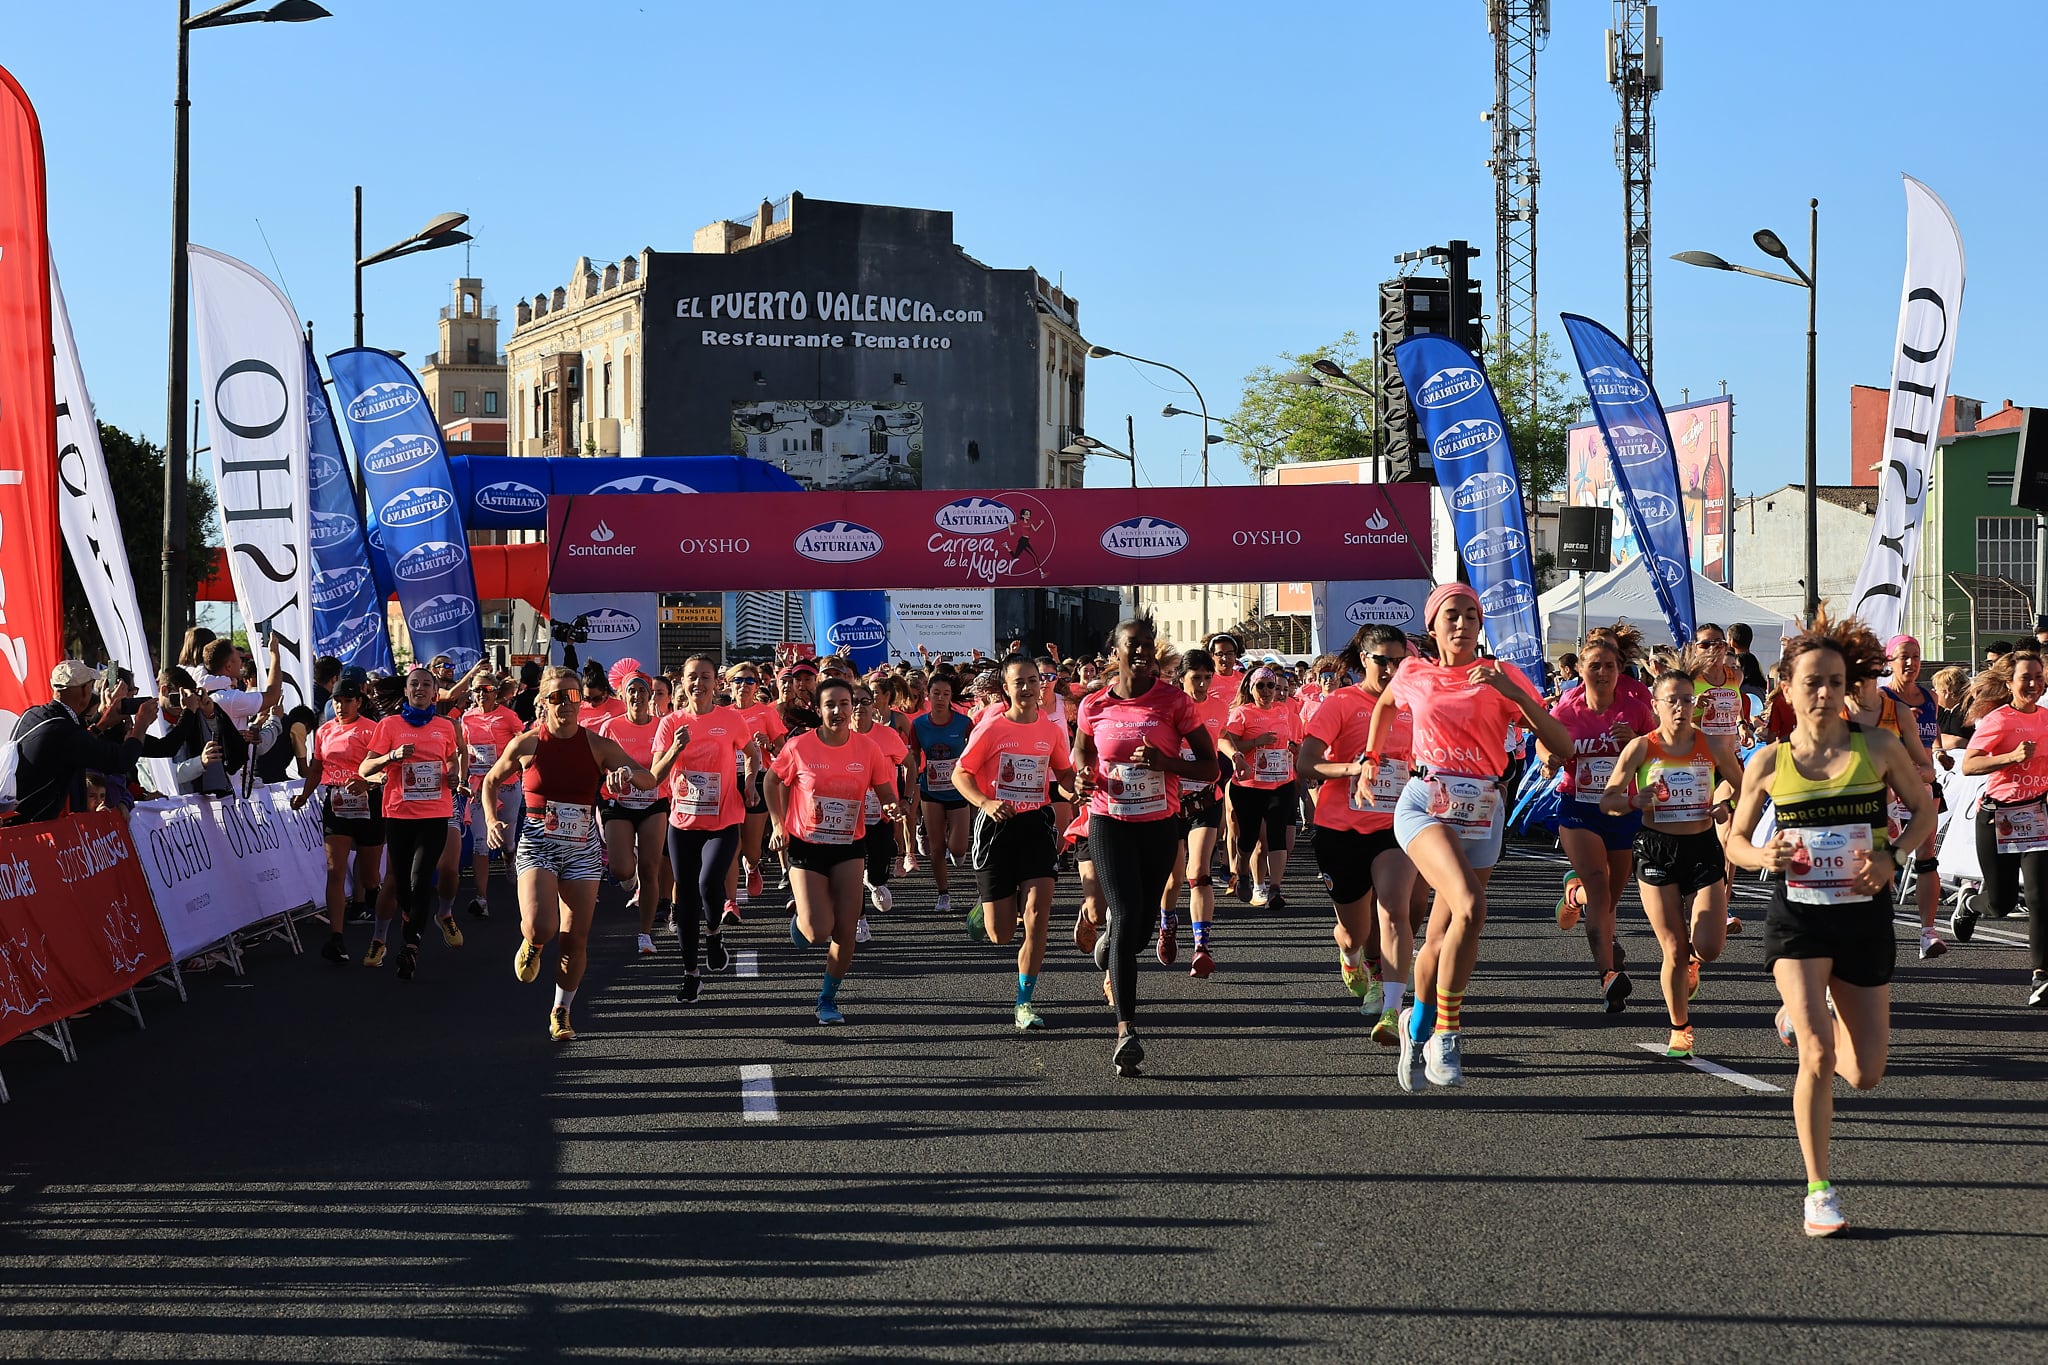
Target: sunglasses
x,y
563,698
1265,687
747,680
1389,660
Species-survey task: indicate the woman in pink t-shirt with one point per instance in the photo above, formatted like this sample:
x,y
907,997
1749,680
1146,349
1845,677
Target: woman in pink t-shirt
x,y
634,820
1450,817
1260,740
1201,818
2011,744
764,718
704,814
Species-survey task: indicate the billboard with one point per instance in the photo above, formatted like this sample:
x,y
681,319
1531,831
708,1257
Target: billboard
x,y
830,443
1702,433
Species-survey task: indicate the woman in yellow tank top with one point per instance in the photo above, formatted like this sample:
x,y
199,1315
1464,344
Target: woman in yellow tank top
x,y
1829,929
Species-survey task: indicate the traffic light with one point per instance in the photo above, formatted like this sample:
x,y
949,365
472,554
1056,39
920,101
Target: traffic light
x,y
1465,304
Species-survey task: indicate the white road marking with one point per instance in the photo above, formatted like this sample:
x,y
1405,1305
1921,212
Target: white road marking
x,y
746,962
757,1093
1716,1070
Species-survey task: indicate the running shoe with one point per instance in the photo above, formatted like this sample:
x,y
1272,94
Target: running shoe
x,y
336,950
375,957
1239,887
1201,965
1962,924
796,934
1734,924
1931,944
1404,1069
1357,979
754,886
1169,942
692,988
1374,997
1568,906
944,904
2037,993
1275,900
359,912
477,908
525,962
829,1014
558,1025
1129,1055
1028,1017
861,932
1100,952
646,945
716,958
1615,988
1680,1045
977,926
1387,1031
1085,932
883,899
451,932
1692,979
408,961
1824,1213
729,915
1261,897
1441,1062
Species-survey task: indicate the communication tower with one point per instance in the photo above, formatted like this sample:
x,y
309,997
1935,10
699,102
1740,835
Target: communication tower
x,y
1635,68
1519,28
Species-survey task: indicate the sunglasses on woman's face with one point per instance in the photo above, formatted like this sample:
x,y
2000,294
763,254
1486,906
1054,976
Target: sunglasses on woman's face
x,y
1265,687
563,698
1386,660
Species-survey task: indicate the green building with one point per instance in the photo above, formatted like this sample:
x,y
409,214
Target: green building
x,y
1974,580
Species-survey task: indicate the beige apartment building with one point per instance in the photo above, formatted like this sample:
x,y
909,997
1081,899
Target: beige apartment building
x,y
464,375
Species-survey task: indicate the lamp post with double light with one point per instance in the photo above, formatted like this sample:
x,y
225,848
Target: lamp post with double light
x,y
1104,353
1088,445
439,232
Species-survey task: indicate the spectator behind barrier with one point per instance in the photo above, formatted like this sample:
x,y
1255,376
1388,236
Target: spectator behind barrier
x,y
57,742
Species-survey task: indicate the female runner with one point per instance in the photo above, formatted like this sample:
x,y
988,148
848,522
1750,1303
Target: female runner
x,y
1263,732
1681,872
764,720
1355,844
426,749
817,788
1201,817
1828,934
1007,775
1719,704
634,820
1450,818
487,727
2010,743
1127,744
561,765
936,741
718,757
1599,845
349,817
1907,695
885,839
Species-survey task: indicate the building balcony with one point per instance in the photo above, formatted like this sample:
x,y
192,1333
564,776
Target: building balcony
x,y
483,360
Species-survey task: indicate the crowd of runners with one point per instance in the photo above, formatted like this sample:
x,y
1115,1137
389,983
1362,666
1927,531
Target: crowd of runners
x,y
1168,781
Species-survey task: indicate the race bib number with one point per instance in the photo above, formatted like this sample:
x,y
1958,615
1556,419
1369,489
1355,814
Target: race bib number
x,y
834,819
420,779
344,804
1021,779
1387,782
697,793
632,798
1274,765
871,808
1188,785
565,823
1589,777
1824,863
1133,789
938,773
2021,829
1680,793
481,757
1720,710
1464,805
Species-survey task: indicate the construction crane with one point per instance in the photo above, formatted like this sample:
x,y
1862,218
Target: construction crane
x,y
1519,29
1635,68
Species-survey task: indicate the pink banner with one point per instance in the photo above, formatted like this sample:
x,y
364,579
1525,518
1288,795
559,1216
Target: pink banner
x,y
1064,537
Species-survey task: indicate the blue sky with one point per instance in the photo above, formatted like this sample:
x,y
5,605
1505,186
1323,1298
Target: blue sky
x,y
1216,183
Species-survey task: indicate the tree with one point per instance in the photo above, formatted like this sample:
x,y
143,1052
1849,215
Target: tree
x,y
135,474
1539,437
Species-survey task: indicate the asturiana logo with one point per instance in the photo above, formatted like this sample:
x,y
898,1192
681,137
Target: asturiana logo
x,y
1462,439
1506,597
1610,384
333,588
1519,646
400,454
330,529
1671,571
609,623
974,517
510,497
1656,507
316,404
322,470
1487,488
413,506
380,402
856,632
1452,384
1145,538
1636,445
442,612
430,560
1496,546
1379,611
839,542
352,635
643,483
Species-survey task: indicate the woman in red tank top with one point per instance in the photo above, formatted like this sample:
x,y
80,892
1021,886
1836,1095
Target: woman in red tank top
x,y
561,767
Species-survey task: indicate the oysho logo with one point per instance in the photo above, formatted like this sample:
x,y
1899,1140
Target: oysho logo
x,y
440,613
330,529
1488,488
400,454
322,470
509,497
839,542
609,623
1145,538
430,560
974,517
1496,546
381,402
336,588
1379,611
1635,446
1453,384
414,506
643,483
1610,384
1507,597
1461,440
856,632
1656,508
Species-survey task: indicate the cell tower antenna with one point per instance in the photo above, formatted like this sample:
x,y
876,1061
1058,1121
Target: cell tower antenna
x,y
1635,68
1519,28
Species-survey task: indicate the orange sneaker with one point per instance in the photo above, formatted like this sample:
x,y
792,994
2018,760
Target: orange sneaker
x,y
1680,1046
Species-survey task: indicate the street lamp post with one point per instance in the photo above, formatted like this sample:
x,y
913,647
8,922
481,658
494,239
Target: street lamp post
x,y
1103,353
176,447
1087,445
1771,245
439,232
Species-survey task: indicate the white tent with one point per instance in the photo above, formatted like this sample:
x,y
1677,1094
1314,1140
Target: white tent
x,y
1627,593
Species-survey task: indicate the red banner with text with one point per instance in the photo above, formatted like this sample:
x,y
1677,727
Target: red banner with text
x,y
1051,537
77,925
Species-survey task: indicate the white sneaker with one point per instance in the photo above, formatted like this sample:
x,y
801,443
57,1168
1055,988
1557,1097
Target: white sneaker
x,y
1375,996
1262,896
647,945
1931,944
1824,1213
943,905
632,890
861,933
883,899
1440,1060
1404,1069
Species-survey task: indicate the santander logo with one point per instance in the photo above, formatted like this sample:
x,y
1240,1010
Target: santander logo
x,y
1377,521
601,532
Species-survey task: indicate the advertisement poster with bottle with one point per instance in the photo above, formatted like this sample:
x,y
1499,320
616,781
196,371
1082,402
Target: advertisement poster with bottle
x,y
1702,433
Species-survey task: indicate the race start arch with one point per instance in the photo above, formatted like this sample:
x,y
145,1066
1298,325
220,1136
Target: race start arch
x,y
1062,537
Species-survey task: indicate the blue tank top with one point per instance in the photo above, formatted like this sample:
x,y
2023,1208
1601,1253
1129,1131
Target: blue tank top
x,y
1924,716
941,746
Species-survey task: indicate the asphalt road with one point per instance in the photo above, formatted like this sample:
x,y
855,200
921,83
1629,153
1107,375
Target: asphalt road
x,y
327,1163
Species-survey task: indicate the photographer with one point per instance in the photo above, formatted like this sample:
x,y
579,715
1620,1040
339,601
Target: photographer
x,y
59,740
199,737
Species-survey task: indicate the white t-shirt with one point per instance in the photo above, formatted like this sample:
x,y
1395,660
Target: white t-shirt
x,y
240,706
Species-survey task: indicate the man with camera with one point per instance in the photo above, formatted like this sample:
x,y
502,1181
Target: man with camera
x,y
85,726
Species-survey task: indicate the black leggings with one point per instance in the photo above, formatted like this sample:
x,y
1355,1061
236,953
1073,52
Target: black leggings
x,y
700,858
2003,874
881,852
415,848
1133,859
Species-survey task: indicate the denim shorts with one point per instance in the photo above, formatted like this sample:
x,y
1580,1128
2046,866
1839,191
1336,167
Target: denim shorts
x,y
1411,817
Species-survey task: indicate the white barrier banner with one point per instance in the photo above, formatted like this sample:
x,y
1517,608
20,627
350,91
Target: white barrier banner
x,y
950,621
219,864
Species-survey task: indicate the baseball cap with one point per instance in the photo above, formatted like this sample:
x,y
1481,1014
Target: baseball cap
x,y
348,687
73,673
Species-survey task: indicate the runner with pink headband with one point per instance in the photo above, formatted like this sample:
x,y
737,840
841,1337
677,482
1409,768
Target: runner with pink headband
x,y
1902,653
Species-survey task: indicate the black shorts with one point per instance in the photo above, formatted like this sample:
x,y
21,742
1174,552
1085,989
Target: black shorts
x,y
633,815
1857,936
879,848
366,833
1200,810
1267,810
1019,850
949,806
754,794
1080,850
812,857
1690,862
1346,857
